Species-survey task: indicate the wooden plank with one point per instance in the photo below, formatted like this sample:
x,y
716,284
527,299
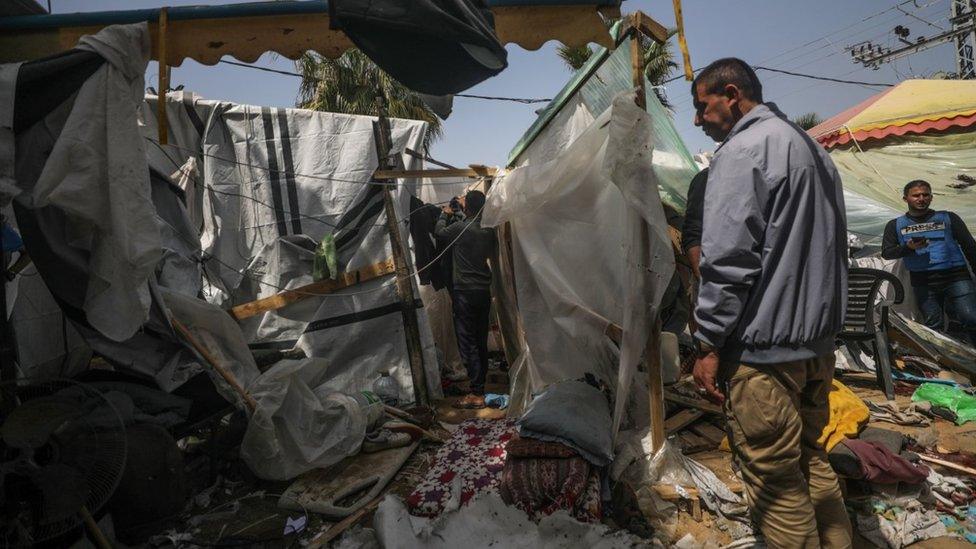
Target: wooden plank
x,y
683,41
315,289
691,443
404,278
208,39
214,363
474,171
669,493
698,403
681,420
649,27
655,384
948,464
637,70
708,431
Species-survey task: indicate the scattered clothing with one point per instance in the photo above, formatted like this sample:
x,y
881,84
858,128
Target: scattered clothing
x,y
953,398
881,465
493,400
890,412
896,527
468,464
848,414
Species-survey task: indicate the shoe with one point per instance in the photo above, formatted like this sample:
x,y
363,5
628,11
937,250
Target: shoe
x,y
384,439
471,402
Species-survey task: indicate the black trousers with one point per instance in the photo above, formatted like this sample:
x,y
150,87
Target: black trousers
x,y
471,310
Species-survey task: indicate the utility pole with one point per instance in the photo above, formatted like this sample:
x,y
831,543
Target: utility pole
x,y
962,15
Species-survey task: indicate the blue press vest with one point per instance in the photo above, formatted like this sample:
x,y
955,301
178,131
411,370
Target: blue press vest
x,y
943,251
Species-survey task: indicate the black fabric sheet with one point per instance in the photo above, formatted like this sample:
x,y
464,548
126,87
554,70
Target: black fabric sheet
x,y
436,47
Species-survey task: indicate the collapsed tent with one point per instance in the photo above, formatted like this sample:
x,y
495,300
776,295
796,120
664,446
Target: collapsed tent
x,y
918,129
120,265
590,250
271,184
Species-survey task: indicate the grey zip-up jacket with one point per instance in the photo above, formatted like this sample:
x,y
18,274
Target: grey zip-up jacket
x,y
774,245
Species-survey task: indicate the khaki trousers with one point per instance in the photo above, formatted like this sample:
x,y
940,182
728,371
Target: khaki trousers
x,y
775,414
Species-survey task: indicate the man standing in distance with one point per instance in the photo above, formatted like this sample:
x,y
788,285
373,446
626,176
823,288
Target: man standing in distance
x,y
773,287
471,246
936,247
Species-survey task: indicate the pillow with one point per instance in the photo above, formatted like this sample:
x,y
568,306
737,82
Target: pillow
x,y
573,413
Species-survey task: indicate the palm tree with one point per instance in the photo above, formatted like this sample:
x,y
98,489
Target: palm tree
x,y
658,61
808,120
350,84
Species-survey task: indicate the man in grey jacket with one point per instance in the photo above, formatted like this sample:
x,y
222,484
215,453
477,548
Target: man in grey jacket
x,y
774,281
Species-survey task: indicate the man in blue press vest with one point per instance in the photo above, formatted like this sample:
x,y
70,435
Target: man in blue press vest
x,y
936,247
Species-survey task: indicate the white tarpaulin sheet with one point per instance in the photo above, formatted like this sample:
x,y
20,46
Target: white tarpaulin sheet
x,y
96,174
273,182
874,177
591,247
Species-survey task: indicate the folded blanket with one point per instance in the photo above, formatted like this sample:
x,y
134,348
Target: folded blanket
x,y
525,447
542,486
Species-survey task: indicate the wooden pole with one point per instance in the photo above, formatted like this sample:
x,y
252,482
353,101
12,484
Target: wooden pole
x,y
161,120
404,284
652,350
215,364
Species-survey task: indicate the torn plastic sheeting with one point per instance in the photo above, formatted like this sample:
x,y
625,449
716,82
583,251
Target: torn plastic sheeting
x,y
96,174
487,522
638,466
299,424
567,299
960,402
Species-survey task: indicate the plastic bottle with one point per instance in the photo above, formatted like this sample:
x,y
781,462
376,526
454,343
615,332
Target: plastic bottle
x,y
387,388
372,407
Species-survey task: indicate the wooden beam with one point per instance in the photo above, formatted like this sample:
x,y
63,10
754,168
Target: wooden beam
x,y
404,278
207,36
683,41
224,372
681,420
698,403
647,26
474,171
315,289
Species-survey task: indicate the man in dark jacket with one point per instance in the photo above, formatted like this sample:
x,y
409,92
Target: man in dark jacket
x,y
691,230
936,247
773,281
471,245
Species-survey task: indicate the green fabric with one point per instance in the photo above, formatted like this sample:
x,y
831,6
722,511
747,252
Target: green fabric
x,y
325,264
960,402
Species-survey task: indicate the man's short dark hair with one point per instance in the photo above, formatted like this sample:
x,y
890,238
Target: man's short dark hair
x,y
474,201
916,183
729,70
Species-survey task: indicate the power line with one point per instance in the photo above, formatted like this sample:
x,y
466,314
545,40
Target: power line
x,y
824,78
523,100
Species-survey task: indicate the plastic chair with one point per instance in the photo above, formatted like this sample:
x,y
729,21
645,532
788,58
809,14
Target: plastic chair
x,y
862,327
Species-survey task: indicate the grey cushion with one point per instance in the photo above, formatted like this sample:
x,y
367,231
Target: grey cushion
x,y
575,414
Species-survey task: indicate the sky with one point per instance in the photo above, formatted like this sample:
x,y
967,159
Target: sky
x,y
799,36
